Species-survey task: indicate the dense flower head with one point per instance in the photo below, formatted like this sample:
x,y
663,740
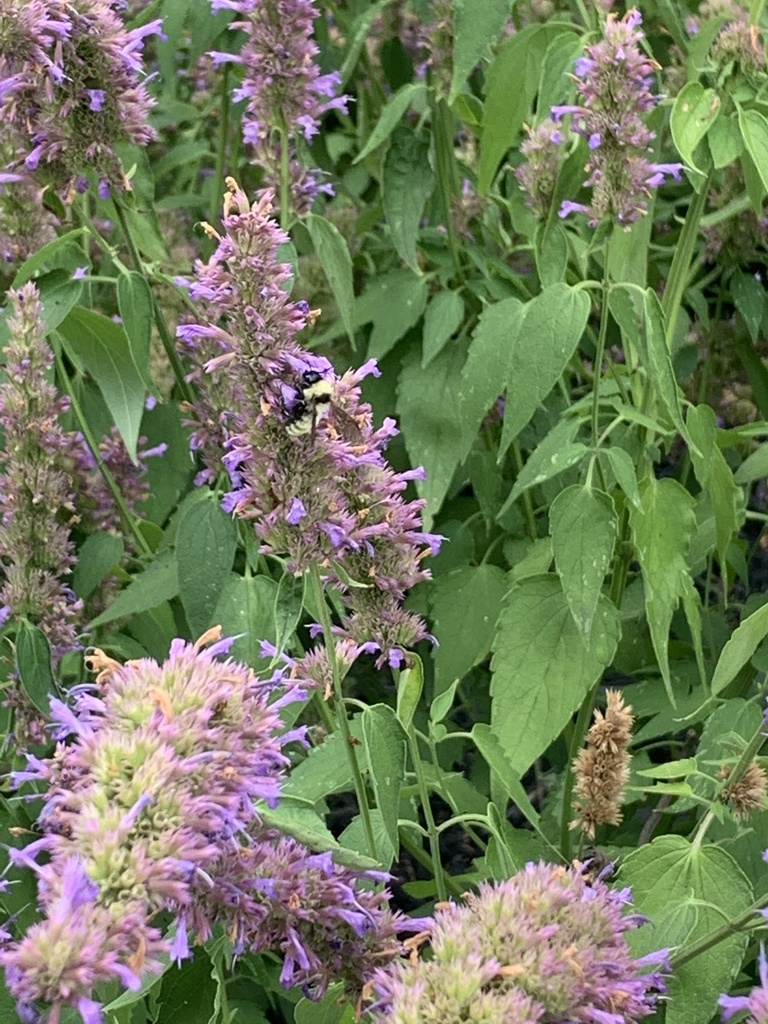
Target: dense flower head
x,y
602,767
275,894
70,88
538,173
282,84
152,804
437,40
163,768
311,477
756,1003
544,945
615,78
37,495
25,224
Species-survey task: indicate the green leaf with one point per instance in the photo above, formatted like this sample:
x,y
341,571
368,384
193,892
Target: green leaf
x,y
426,405
642,324
542,669
465,605
552,326
491,346
333,1008
725,142
385,747
715,477
59,295
495,755
101,346
355,842
48,254
754,128
662,534
357,37
511,85
694,112
410,687
97,557
687,891
749,295
407,183
298,819
553,455
390,115
134,300
551,253
584,527
754,467
476,27
288,608
244,610
394,302
741,646
555,82
188,993
325,770
33,665
441,321
443,703
158,583
624,470
206,539
332,252
753,182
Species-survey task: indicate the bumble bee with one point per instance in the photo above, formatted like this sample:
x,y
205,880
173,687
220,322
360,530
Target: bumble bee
x,y
311,404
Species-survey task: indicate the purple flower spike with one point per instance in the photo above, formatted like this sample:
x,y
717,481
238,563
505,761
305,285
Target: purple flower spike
x,y
283,87
614,79
59,124
306,463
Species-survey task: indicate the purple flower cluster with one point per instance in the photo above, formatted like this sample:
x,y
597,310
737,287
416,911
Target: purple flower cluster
x,y
151,805
615,79
755,1004
96,505
538,174
286,94
312,478
37,495
70,90
546,945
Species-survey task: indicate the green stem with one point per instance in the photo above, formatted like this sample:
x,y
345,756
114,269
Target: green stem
x,y
128,520
718,935
223,997
341,711
530,517
447,176
326,716
418,854
600,353
162,327
429,818
221,149
681,261
285,181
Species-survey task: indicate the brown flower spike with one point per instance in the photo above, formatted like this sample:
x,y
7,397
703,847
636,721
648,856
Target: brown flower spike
x,y
747,794
602,767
